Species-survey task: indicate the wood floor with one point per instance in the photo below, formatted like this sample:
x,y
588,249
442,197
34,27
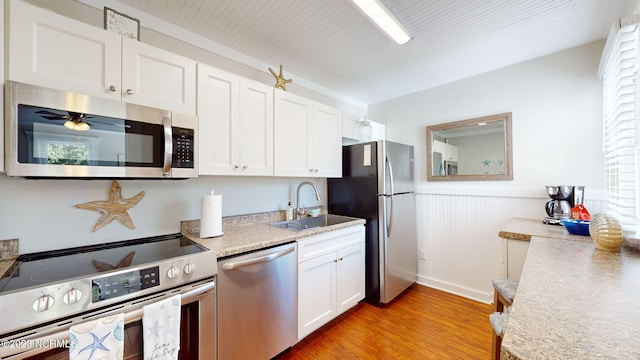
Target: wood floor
x,y
423,323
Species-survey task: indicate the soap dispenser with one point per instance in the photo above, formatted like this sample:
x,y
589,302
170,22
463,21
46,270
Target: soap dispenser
x,y
289,213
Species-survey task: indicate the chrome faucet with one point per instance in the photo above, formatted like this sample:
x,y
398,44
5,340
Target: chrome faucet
x,y
299,212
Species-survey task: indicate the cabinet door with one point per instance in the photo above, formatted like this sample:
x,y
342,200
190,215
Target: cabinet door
x,y
350,277
158,78
350,124
451,152
327,141
292,134
316,293
256,128
55,51
218,121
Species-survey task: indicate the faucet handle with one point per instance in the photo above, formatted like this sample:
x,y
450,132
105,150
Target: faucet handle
x,y
302,212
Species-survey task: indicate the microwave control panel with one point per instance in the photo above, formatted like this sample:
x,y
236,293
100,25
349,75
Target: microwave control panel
x,y
183,144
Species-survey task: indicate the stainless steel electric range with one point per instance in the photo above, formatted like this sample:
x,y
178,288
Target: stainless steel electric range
x,y
43,294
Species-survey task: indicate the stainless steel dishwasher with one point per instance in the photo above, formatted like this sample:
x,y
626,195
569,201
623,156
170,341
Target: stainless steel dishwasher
x,y
257,303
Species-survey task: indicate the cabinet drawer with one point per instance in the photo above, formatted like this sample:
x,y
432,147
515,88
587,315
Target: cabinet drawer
x,y
314,246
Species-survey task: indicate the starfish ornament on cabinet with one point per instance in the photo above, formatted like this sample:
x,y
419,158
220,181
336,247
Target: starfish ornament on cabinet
x,y
114,208
281,82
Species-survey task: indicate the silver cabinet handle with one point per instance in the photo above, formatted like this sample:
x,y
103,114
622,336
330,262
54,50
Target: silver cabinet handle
x,y
113,88
244,167
236,166
258,260
129,91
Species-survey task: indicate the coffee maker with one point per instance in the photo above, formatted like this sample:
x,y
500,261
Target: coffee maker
x,y
563,199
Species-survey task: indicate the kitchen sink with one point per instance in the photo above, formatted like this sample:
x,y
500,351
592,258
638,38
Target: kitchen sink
x,y
312,222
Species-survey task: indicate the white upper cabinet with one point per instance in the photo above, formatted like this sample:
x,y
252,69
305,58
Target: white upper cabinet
x,y
236,124
158,78
327,141
308,137
350,124
292,127
52,50
449,152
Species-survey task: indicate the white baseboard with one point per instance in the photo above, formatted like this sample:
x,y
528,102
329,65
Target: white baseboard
x,y
482,297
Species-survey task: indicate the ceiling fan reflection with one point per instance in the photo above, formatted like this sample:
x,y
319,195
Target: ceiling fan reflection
x,y
74,120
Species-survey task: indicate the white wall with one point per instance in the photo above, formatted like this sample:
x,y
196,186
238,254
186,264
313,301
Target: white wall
x,y
556,103
41,213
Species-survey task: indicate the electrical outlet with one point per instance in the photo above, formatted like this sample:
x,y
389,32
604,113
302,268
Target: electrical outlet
x,y
423,254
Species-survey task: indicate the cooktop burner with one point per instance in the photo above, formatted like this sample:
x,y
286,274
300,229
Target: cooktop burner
x,y
44,287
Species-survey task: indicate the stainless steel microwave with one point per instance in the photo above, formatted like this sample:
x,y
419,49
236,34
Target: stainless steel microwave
x,y
58,134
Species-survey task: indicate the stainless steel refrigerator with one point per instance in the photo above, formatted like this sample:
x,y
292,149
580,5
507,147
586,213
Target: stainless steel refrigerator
x,y
377,185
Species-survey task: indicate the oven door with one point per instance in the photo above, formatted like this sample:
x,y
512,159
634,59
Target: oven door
x,y
197,330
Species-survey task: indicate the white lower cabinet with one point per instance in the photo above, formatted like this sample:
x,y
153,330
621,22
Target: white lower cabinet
x,y
330,276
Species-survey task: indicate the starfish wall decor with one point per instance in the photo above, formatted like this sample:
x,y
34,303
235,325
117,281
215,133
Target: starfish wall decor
x,y
281,82
114,208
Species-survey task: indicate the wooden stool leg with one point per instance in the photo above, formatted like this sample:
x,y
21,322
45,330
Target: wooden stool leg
x,y
496,343
498,305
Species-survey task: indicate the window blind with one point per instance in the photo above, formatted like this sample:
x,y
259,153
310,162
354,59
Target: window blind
x,y
621,126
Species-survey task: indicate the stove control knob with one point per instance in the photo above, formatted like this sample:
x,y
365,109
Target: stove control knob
x,y
72,296
172,272
189,268
43,303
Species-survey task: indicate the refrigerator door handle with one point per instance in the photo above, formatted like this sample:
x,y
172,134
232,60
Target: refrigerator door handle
x,y
389,215
389,196
388,163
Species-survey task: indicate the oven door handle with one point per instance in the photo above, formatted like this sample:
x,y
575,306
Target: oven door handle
x,y
61,336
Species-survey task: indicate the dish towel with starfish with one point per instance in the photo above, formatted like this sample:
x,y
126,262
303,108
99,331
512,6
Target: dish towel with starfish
x,y
161,329
98,339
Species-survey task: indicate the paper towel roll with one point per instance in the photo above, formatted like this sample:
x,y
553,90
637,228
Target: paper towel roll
x,y
211,216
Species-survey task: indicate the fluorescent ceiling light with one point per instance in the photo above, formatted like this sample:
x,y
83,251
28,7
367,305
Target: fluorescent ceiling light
x,y
382,17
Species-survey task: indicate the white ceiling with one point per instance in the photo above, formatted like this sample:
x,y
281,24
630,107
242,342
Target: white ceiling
x,y
330,44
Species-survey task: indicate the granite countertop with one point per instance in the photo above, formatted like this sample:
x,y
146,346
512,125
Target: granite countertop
x,y
524,229
249,233
8,254
5,265
575,302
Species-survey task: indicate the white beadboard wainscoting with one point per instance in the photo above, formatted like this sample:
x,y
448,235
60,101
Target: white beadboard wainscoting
x,y
458,229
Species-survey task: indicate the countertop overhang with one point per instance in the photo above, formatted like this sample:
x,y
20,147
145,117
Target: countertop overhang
x,y
573,301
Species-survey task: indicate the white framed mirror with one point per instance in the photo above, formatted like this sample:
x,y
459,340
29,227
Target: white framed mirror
x,y
472,149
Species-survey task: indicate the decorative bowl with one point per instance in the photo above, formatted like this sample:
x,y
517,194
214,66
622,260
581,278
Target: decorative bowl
x,y
576,227
313,212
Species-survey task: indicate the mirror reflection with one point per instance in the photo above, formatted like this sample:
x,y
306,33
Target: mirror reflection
x,y
473,149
